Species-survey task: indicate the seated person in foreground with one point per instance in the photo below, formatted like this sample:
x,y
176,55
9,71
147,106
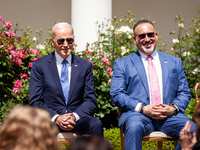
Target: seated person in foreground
x,y
63,84
90,143
28,128
189,141
151,90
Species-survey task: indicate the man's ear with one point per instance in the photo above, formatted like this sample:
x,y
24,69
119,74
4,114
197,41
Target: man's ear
x,y
52,41
134,39
156,35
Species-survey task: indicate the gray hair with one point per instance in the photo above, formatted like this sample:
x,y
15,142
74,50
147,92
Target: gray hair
x,y
61,25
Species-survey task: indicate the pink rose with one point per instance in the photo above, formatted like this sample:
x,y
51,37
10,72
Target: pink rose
x,y
24,75
109,69
10,48
0,19
35,51
35,59
90,61
88,52
13,53
30,64
16,90
9,33
105,60
18,83
20,54
8,25
19,61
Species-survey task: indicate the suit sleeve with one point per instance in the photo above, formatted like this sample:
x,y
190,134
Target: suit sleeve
x,y
89,98
183,94
36,87
118,90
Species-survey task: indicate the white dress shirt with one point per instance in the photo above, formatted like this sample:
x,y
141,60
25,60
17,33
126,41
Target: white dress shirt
x,y
156,62
59,60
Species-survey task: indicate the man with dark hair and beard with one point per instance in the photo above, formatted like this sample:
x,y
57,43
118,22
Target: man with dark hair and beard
x,y
151,90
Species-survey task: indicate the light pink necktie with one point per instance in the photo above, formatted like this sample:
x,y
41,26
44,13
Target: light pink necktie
x,y
154,84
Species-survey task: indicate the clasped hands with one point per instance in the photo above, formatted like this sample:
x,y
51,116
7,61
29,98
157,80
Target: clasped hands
x,y
66,121
158,111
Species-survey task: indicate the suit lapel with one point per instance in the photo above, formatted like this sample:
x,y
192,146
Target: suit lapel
x,y
54,72
74,74
165,72
136,59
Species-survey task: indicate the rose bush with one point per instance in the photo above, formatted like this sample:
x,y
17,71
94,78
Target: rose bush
x,y
187,48
16,56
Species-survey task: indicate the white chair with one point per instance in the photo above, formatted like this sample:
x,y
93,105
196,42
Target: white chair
x,y
65,137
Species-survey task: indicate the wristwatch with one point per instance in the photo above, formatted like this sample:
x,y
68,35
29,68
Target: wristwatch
x,y
141,110
176,110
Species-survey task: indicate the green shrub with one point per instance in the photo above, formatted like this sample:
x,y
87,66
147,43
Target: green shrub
x,y
113,136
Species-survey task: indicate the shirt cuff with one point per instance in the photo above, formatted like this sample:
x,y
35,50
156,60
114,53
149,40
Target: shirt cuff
x,y
76,116
54,118
138,107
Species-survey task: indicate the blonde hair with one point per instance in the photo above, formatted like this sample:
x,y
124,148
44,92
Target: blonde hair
x,y
28,128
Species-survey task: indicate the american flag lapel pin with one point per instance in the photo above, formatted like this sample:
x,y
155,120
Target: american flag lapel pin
x,y
75,65
165,62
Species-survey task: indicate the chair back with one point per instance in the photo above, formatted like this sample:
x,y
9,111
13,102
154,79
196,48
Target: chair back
x,y
196,87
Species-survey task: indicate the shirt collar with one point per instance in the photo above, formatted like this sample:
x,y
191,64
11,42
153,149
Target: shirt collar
x,y
59,59
154,55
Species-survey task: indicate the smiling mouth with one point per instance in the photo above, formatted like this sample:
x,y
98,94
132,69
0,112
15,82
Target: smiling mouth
x,y
147,44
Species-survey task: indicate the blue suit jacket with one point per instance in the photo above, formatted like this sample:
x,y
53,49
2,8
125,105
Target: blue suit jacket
x,y
129,83
45,88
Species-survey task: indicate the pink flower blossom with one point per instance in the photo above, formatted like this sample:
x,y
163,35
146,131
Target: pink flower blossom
x,y
35,59
2,33
16,90
24,75
10,48
13,53
109,69
8,25
105,60
18,83
9,33
0,19
90,61
88,52
19,61
30,64
35,51
20,54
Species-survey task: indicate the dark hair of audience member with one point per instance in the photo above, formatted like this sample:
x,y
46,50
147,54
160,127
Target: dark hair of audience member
x,y
196,117
28,128
90,143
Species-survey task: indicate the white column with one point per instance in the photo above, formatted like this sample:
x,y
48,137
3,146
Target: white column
x,y
85,13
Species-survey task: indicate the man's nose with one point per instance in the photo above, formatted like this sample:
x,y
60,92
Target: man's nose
x,y
147,38
65,43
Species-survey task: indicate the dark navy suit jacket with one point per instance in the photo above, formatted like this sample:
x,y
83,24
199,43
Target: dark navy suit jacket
x,y
45,88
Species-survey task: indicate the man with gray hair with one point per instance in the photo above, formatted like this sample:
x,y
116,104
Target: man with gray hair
x,y
63,84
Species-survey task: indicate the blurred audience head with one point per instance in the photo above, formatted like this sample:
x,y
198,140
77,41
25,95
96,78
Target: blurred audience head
x,y
28,128
90,143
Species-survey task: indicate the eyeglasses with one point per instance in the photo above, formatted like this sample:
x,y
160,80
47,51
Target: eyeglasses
x,y
69,41
150,35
